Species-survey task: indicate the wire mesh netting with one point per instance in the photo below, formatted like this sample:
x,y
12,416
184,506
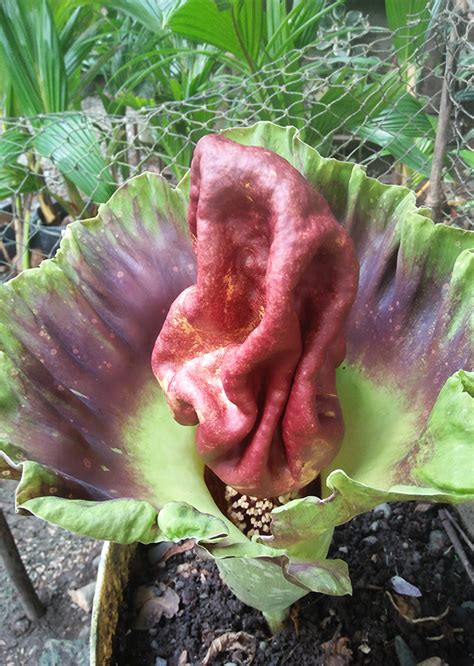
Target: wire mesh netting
x,y
357,92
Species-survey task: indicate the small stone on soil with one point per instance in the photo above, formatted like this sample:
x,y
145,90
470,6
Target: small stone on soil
x,y
385,509
21,626
402,586
437,542
370,540
84,596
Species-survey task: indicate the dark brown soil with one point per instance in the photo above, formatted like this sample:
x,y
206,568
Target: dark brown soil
x,y
409,543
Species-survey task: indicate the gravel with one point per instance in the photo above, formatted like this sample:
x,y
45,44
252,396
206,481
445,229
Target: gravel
x,y
56,561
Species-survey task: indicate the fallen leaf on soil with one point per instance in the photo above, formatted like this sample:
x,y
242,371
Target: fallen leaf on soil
x,y
154,607
83,597
402,586
336,652
144,593
177,548
230,641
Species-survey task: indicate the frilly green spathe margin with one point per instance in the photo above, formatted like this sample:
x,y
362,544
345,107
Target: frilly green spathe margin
x,y
85,423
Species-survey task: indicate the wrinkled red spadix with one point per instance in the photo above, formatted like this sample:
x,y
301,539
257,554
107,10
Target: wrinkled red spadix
x,y
250,351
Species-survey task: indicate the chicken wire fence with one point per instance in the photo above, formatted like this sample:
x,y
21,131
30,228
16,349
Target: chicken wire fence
x,y
353,94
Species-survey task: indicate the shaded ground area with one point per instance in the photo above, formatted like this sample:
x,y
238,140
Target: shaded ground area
x,y
57,561
379,624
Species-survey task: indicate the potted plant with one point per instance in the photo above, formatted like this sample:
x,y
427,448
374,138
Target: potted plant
x,y
86,422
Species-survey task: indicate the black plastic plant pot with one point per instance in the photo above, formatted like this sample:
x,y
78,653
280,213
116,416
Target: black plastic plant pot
x,y
46,238
7,235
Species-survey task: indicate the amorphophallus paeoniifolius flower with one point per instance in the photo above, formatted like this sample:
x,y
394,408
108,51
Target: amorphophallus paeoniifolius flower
x,y
250,351
84,421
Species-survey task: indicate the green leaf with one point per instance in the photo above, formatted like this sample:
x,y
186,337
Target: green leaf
x,y
73,145
17,180
297,27
14,177
325,576
260,583
150,13
123,520
401,120
233,26
349,104
409,22
13,143
178,520
467,155
449,434
276,27
202,21
398,145
249,19
404,115
32,54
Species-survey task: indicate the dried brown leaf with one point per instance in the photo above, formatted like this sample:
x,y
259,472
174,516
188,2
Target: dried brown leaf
x,y
144,593
409,607
336,652
155,608
176,548
229,642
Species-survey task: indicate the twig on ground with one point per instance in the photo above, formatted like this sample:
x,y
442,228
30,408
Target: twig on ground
x,y
450,531
462,533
